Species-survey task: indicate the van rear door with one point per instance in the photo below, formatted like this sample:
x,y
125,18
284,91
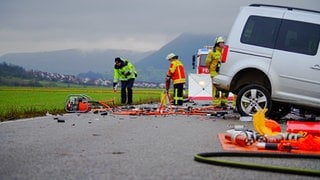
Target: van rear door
x,y
296,60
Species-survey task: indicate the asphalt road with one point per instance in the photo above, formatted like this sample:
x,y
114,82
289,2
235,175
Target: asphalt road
x,y
95,146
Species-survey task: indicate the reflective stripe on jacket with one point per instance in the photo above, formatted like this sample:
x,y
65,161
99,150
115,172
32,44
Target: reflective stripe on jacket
x,y
176,72
127,71
214,56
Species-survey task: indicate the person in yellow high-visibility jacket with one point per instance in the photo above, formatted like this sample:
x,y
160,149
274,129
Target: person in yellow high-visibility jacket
x,y
213,62
125,72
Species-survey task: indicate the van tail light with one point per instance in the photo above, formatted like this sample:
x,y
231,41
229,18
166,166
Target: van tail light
x,y
224,53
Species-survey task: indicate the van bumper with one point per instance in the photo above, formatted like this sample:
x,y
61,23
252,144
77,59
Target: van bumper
x,y
222,82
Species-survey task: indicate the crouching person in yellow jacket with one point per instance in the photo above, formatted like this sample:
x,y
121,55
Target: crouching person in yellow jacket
x,y
213,62
125,72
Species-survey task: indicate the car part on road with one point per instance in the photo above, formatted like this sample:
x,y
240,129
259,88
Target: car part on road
x,y
73,101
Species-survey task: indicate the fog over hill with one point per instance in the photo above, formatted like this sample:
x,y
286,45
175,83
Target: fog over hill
x,y
151,65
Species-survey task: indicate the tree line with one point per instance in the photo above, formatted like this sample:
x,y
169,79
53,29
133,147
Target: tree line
x,y
13,75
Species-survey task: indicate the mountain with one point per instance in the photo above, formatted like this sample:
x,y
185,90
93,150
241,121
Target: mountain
x,y
151,66
71,61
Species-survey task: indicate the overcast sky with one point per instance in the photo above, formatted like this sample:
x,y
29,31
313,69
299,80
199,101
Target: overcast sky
x,y
142,25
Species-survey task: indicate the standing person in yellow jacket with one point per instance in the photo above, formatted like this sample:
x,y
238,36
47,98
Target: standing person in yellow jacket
x,y
213,62
125,72
176,73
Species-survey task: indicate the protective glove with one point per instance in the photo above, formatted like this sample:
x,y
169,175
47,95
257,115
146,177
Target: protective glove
x,y
115,87
218,66
128,73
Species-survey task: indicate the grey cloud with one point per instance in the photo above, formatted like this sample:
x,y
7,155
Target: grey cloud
x,y
32,22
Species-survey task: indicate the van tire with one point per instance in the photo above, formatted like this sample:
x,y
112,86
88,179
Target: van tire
x,y
251,98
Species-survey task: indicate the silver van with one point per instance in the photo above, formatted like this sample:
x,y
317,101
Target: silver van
x,y
272,60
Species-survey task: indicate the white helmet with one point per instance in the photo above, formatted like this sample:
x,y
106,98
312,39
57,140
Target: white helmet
x,y
170,56
219,40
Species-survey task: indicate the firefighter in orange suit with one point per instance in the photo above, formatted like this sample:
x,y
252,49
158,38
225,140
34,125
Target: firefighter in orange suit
x,y
177,75
213,62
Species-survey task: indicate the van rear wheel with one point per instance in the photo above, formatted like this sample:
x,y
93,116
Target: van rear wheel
x,y
251,98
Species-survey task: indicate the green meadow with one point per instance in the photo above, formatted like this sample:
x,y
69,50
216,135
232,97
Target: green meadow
x,y
26,102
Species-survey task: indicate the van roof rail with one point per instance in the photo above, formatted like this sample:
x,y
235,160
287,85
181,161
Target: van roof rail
x,y
286,7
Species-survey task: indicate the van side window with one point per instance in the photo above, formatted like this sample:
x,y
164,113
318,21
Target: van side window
x,y
261,31
299,37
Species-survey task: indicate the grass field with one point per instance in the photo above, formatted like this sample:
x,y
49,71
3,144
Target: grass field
x,y
25,102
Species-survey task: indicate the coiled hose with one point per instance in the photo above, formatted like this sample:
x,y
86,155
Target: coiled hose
x,y
208,158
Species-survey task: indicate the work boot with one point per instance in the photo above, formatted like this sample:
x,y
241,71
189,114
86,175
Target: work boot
x,y
216,103
224,105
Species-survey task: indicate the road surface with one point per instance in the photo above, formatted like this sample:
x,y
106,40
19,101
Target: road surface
x,y
114,147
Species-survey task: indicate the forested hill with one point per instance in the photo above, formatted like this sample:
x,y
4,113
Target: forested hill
x,y
10,70
14,75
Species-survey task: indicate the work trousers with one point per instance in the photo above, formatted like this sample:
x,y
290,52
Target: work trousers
x,y
219,98
126,91
178,94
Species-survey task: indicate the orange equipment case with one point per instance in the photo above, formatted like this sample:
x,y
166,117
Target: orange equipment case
x,y
311,127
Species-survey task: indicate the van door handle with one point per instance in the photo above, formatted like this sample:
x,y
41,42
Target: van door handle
x,y
316,67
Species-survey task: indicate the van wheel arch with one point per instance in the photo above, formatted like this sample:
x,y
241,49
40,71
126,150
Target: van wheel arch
x,y
249,76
